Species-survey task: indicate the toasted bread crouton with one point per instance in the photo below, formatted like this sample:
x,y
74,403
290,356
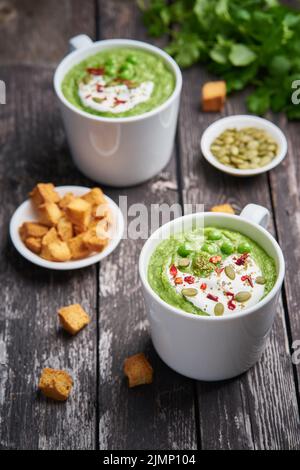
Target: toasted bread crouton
x,y
56,251
32,229
73,318
103,211
93,242
50,214
213,96
56,384
34,244
79,213
65,200
44,192
78,248
95,197
51,236
65,229
138,370
227,208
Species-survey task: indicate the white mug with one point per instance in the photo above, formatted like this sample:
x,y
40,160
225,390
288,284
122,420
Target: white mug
x,y
213,348
118,151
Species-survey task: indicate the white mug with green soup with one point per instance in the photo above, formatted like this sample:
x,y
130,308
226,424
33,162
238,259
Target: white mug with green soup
x,y
211,284
119,100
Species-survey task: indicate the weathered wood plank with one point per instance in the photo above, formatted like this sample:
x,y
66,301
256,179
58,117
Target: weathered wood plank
x,y
160,416
285,192
38,32
33,149
251,411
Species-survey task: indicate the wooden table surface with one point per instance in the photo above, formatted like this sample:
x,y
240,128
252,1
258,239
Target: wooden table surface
x,y
258,410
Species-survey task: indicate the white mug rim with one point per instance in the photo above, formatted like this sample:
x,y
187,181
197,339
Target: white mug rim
x,y
60,71
193,317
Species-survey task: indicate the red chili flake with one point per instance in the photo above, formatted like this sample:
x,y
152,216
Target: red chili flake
x,y
247,278
178,280
87,96
215,259
203,286
99,88
231,305
229,294
117,101
96,70
219,271
241,260
212,297
189,279
173,270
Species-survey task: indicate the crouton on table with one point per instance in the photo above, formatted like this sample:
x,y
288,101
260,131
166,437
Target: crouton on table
x,y
138,370
227,208
56,384
213,96
73,318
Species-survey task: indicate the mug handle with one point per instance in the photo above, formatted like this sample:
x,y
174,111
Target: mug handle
x,y
257,214
78,42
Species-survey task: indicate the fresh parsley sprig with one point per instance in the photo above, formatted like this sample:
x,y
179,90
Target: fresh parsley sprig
x,y
245,42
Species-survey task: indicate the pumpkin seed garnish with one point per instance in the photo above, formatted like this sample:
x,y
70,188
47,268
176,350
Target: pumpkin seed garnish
x,y
189,292
229,271
219,309
184,262
242,296
246,148
260,280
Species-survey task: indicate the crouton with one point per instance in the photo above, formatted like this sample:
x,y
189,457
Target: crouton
x,y
79,213
51,236
93,242
44,192
138,370
73,318
78,248
32,229
102,212
213,96
50,214
227,208
95,197
65,200
65,229
56,251
34,244
56,384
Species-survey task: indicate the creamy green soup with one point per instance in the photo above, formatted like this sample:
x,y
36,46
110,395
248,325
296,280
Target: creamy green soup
x,y
119,82
211,271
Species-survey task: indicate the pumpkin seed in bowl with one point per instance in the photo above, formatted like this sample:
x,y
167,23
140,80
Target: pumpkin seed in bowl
x,y
245,149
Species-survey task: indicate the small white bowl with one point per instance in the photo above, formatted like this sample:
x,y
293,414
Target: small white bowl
x,y
26,212
238,122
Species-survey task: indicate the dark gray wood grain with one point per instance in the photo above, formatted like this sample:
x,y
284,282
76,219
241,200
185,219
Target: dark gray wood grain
x,y
251,411
37,32
33,149
159,416
284,182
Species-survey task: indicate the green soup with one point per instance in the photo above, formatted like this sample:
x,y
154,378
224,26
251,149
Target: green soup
x,y
211,271
119,82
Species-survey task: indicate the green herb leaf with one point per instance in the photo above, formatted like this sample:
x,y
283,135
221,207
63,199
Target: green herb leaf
x,y
241,55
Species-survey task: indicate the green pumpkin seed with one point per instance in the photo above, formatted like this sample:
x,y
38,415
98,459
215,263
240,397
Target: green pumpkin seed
x,y
260,280
242,296
183,263
230,272
98,100
219,309
189,292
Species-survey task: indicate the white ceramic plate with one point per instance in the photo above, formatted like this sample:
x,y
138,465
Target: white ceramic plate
x,y
26,212
238,122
